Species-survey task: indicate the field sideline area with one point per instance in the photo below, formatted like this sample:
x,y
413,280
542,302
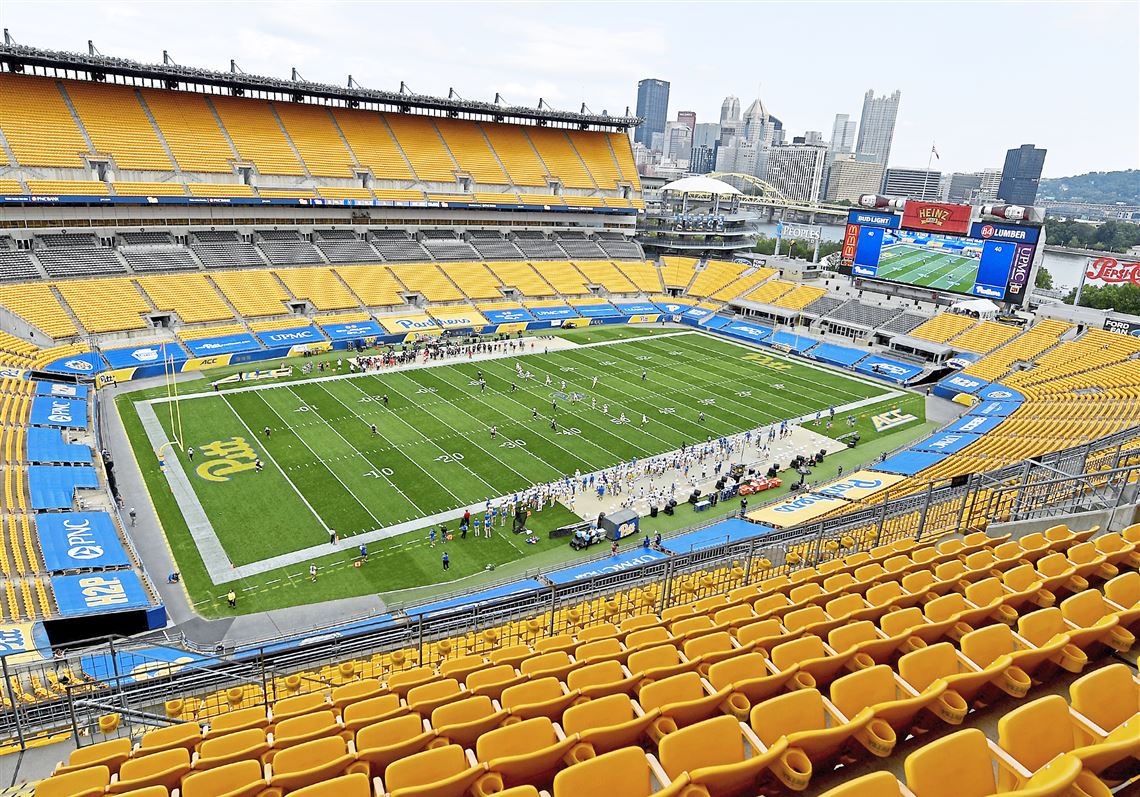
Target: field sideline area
x,y
432,452
919,265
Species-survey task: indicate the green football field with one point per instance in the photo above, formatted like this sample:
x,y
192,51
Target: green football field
x,y
929,268
432,450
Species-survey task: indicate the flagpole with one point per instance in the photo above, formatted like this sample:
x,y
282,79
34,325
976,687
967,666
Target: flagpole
x,y
926,177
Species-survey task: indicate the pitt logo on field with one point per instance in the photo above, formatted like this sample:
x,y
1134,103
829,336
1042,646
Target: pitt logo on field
x,y
227,458
934,216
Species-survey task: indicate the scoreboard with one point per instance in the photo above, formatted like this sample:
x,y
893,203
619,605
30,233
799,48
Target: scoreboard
x,y
942,247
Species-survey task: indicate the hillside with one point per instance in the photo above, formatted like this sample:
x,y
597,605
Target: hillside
x,y
1095,187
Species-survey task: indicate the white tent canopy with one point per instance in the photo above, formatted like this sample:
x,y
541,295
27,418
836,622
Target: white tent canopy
x,y
982,308
700,185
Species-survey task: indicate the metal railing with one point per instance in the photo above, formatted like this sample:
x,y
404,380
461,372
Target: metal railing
x,y
143,676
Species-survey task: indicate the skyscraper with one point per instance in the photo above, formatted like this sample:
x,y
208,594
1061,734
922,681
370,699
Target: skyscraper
x,y
796,169
653,108
842,135
706,134
689,118
848,178
1021,174
729,119
920,184
877,127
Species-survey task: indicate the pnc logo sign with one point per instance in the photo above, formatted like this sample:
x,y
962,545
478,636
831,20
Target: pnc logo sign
x,y
81,543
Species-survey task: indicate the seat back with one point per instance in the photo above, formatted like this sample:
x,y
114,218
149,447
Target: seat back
x,y
354,785
794,712
738,669
425,767
249,743
761,629
877,784
920,668
863,689
646,637
1085,609
1124,590
845,604
80,783
957,765
716,642
798,650
539,690
599,648
1020,578
714,742
1037,732
373,709
984,592
356,691
304,727
1040,626
462,711
624,773
309,756
163,768
851,634
802,618
1108,696
653,658
389,732
600,713
603,672
185,734
945,607
895,623
677,689
240,778
517,739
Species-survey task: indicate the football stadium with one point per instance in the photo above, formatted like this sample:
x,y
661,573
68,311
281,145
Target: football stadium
x,y
352,445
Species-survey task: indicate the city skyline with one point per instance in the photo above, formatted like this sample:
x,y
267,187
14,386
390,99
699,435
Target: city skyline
x,y
566,57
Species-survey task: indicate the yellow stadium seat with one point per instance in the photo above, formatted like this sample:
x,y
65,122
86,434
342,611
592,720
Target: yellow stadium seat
x,y
111,754
627,772
381,743
186,734
1106,699
240,779
88,782
219,751
305,764
440,772
720,756
374,709
607,724
354,785
527,752
464,721
157,769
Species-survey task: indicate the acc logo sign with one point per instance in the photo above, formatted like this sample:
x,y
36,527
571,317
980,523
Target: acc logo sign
x,y
229,457
890,419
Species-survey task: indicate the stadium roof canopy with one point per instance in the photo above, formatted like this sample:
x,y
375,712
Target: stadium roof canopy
x,y
101,68
700,185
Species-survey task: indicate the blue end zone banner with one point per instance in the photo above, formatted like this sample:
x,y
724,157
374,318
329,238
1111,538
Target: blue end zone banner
x,y
870,219
359,329
837,355
54,486
47,446
746,331
637,308
799,343
596,310
226,344
87,364
673,308
53,411
558,313
697,313
61,389
625,560
153,354
79,540
994,409
908,463
947,442
999,392
974,424
716,322
291,337
960,383
891,370
512,316
98,592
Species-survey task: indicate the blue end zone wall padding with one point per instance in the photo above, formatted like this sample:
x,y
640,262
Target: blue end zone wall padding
x,y
994,409
60,412
946,442
746,331
153,354
716,322
54,486
908,463
799,343
612,564
975,424
597,310
87,364
79,540
837,355
96,593
720,534
559,313
226,344
48,446
959,383
999,392
61,389
637,308
891,370
291,337
514,316
359,329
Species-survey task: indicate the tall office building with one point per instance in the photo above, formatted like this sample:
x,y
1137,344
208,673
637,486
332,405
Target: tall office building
x,y
991,181
877,127
849,178
653,108
746,152
702,160
729,118
813,137
678,142
1021,174
913,184
842,135
688,118
706,134
796,169
963,187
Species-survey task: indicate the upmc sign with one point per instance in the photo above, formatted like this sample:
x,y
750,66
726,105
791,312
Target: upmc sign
x,y
1107,269
936,217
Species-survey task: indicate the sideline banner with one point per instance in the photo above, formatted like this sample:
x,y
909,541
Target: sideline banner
x,y
53,411
79,540
98,592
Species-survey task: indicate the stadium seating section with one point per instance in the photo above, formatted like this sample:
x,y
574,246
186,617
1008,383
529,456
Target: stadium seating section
x,y
749,683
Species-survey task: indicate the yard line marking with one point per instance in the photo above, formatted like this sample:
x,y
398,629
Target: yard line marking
x,y
409,459
334,474
253,436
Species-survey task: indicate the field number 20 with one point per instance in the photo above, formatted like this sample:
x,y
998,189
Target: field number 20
x,y
454,457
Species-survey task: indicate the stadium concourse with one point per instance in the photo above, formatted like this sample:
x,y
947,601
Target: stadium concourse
x,y
955,617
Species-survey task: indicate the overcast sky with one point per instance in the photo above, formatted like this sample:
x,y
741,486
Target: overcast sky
x,y
976,78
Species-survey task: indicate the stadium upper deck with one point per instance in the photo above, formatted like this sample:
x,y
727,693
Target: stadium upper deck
x,y
124,129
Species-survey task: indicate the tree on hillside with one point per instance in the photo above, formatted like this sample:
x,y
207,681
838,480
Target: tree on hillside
x,y
1112,236
1123,298
1044,279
